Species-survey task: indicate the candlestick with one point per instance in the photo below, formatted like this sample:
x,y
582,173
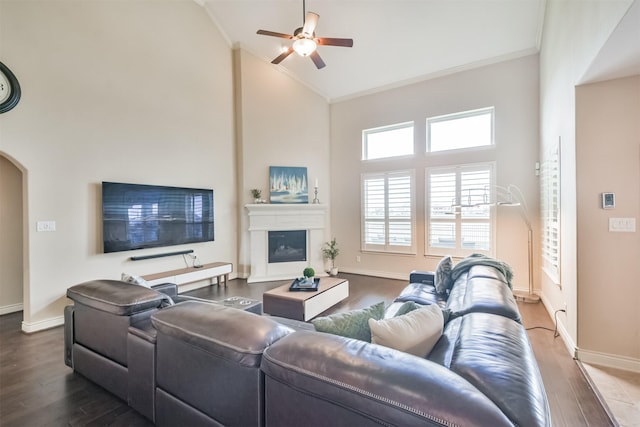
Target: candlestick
x,y
315,195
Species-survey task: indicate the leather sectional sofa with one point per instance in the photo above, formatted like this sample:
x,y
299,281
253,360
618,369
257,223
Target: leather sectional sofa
x,y
197,363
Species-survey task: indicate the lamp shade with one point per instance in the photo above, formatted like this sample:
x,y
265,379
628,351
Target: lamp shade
x,y
304,46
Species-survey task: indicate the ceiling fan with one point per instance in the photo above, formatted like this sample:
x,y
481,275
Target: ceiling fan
x,y
305,42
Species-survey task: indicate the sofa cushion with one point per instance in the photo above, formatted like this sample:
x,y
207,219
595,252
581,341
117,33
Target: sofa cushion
x,y
352,324
415,332
482,295
116,297
493,353
421,293
324,379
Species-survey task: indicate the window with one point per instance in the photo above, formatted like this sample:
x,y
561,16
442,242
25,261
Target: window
x,y
550,208
387,141
460,130
460,219
388,212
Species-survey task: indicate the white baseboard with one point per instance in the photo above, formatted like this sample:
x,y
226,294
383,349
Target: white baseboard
x,y
592,357
383,274
30,327
564,334
608,360
11,308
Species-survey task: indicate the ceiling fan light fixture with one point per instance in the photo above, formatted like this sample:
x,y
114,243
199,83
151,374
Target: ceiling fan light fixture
x,y
304,46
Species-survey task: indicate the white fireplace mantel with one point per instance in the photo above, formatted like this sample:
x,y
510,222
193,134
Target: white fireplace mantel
x,y
280,217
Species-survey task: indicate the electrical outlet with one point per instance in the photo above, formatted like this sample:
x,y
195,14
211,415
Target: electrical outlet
x,y
357,258
46,226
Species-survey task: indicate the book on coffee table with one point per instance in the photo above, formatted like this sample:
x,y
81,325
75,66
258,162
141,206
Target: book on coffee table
x,y
304,284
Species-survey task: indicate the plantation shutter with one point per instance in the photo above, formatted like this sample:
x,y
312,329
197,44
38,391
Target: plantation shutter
x,y
388,212
459,213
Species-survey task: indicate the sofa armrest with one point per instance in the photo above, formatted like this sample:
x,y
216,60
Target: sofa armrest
x,y
359,383
425,277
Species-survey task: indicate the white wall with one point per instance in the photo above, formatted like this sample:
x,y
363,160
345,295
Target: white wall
x,y
511,86
608,160
135,91
280,122
574,32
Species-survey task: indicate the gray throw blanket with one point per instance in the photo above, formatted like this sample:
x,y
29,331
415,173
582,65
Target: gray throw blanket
x,y
480,259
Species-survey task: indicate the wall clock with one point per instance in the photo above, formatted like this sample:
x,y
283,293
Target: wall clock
x,y
9,89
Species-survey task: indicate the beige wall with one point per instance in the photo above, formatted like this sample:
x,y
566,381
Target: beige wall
x,y
574,32
511,87
608,160
11,246
280,122
135,91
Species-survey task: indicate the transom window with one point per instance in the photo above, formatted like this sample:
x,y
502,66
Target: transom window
x,y
469,129
460,218
388,218
387,141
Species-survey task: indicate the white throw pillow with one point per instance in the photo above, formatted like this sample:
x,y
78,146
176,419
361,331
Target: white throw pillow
x,y
416,332
136,280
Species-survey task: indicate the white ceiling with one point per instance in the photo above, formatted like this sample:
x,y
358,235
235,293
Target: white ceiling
x,y
395,41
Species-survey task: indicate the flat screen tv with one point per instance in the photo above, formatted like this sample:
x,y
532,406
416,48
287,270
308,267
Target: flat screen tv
x,y
138,216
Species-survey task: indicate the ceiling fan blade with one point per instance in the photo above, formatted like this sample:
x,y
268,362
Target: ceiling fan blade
x,y
274,34
315,57
329,41
282,56
310,22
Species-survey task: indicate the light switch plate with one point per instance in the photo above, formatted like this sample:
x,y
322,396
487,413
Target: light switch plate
x,y
624,225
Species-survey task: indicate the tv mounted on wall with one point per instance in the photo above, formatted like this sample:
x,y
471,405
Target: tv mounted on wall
x,y
136,216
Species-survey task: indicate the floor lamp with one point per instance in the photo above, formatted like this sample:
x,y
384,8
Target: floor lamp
x,y
513,197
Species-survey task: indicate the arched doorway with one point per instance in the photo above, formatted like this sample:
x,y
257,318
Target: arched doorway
x,y
13,241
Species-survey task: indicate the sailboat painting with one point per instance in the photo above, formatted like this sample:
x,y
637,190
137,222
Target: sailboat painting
x,y
288,184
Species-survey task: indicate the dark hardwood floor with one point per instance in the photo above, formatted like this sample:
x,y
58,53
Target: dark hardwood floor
x,y
38,389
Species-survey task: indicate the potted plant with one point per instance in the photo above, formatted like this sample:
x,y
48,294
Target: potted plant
x,y
331,251
257,195
308,273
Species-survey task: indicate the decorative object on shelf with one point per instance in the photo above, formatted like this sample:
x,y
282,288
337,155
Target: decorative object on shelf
x,y
330,251
305,284
308,273
257,196
288,184
9,89
315,194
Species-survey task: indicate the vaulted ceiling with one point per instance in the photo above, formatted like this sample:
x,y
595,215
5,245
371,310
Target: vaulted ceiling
x,y
396,41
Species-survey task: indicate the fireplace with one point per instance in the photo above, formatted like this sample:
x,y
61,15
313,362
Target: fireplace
x,y
287,246
284,239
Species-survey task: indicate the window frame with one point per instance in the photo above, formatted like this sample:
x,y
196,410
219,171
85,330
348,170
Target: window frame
x,y
387,247
456,116
457,218
381,129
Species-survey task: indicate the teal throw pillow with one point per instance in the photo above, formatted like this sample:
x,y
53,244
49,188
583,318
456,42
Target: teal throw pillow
x,y
442,280
352,324
406,308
